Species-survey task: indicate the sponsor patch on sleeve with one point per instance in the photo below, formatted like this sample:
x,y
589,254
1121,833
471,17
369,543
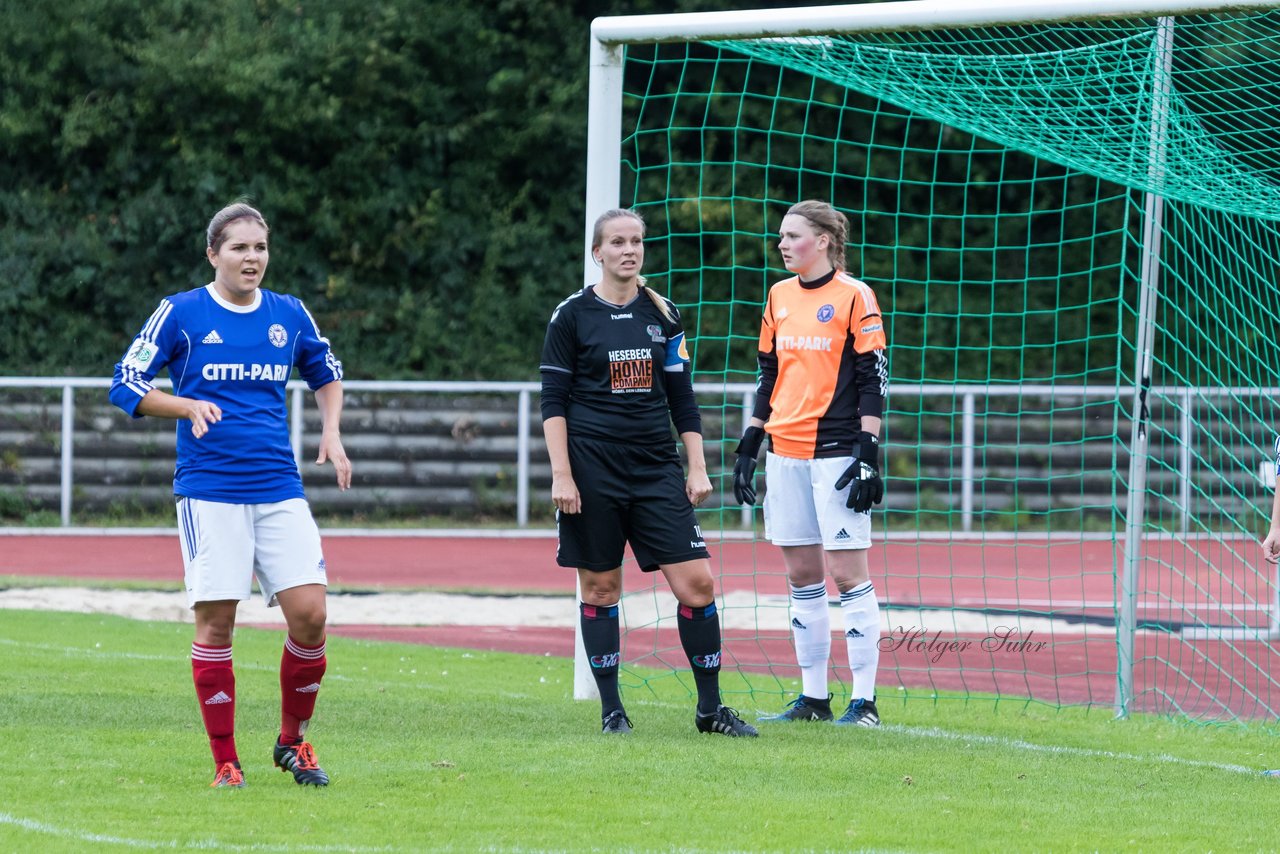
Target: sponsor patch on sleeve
x,y
677,354
140,355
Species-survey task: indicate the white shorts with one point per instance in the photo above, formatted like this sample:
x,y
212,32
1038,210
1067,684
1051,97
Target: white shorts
x,y
803,508
226,546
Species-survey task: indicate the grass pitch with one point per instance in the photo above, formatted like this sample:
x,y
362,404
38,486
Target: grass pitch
x,y
448,750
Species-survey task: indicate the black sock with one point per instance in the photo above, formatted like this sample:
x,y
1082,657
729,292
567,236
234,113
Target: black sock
x,y
700,637
601,642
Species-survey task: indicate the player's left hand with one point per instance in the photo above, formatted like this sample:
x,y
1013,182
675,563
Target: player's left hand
x,y
864,474
331,450
697,487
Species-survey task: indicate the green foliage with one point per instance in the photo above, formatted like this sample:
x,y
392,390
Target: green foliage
x,y
420,163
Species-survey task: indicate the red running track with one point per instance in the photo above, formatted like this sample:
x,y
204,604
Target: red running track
x,y
1213,581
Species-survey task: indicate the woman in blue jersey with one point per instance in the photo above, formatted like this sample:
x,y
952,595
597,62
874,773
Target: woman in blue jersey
x,y
615,375
230,347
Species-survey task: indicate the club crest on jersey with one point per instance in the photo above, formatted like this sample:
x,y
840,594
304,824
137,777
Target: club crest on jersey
x,y
277,336
655,333
827,312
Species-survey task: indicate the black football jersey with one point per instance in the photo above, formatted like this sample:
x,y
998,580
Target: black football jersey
x,y
618,358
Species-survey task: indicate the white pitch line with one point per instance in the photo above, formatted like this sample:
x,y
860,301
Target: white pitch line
x,y
204,844
1018,744
1032,747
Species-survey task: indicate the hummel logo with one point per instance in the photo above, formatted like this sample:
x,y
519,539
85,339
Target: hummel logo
x,y
854,633
212,338
842,534
796,622
218,699
315,686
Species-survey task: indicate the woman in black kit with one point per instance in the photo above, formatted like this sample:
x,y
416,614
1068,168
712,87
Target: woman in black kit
x,y
615,375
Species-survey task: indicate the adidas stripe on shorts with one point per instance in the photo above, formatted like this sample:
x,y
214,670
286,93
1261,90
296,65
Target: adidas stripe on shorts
x,y
802,507
226,546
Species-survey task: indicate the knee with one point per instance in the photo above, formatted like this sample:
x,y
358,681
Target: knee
x,y
698,591
314,617
216,630
601,590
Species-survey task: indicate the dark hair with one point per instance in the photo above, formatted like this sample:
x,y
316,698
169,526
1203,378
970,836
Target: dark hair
x,y
597,237
826,220
216,234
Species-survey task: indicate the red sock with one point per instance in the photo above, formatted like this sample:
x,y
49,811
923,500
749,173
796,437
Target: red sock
x,y
301,669
216,692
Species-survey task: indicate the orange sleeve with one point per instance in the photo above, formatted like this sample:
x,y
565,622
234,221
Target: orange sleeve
x,y
865,323
767,330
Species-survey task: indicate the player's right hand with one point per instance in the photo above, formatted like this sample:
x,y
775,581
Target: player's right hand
x,y
564,494
1271,547
744,470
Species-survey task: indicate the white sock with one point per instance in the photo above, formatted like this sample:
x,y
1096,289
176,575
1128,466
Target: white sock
x,y
861,614
811,628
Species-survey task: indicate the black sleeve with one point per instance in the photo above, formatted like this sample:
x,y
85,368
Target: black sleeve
x,y
764,385
871,377
684,408
556,386
559,352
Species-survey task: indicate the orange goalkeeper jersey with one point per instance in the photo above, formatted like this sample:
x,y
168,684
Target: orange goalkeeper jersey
x,y
828,341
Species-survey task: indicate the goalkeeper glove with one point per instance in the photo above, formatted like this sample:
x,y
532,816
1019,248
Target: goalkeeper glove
x,y
864,474
744,470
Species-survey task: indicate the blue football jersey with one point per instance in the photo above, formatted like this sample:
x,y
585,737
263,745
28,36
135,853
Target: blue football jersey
x,y
240,358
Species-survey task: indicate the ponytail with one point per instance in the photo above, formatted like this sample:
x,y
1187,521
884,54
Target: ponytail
x,y
661,303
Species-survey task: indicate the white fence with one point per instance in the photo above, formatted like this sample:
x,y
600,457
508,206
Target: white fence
x,y
1181,398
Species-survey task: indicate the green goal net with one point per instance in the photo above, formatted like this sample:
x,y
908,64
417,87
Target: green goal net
x,y
1072,230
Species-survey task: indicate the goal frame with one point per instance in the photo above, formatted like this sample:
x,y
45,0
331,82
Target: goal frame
x,y
611,35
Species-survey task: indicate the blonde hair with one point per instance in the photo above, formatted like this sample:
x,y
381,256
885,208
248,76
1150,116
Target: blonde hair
x,y
216,233
597,237
826,220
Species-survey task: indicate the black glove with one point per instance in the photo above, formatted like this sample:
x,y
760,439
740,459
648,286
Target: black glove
x,y
864,474
744,470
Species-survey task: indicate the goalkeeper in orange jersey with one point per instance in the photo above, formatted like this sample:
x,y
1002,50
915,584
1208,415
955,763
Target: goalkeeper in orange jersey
x,y
820,399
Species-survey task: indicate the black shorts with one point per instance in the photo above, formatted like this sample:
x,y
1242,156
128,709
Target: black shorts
x,y
630,494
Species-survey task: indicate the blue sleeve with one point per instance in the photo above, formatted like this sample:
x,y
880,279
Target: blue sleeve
x,y
156,346
315,360
677,356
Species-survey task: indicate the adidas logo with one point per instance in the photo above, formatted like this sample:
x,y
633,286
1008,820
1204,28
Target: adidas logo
x,y
854,633
799,625
308,689
842,534
218,699
212,338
